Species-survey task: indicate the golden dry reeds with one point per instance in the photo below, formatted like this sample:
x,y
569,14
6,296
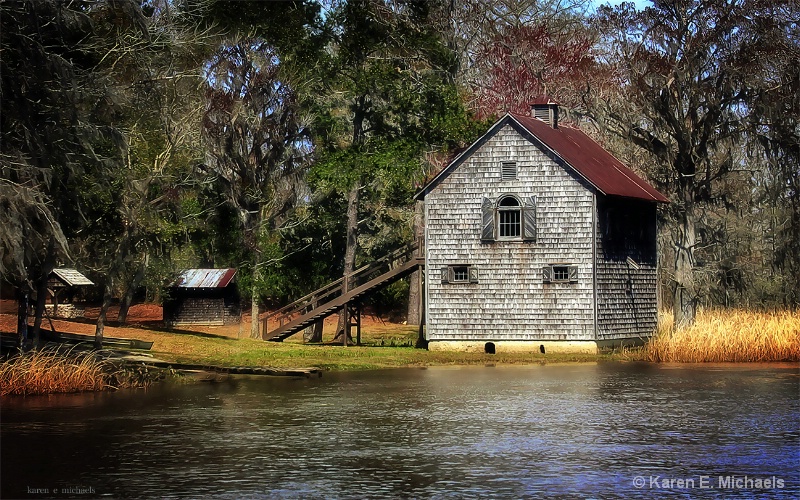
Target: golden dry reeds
x,y
728,336
50,371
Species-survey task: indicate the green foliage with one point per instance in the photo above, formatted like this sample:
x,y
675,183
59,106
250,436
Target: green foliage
x,y
391,302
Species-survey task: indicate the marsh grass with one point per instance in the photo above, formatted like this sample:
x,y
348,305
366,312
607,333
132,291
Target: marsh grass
x,y
728,336
54,370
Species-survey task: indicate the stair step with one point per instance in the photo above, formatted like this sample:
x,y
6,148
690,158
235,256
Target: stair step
x,y
307,318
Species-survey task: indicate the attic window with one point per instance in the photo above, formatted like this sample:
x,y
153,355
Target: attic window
x,y
508,170
508,219
509,215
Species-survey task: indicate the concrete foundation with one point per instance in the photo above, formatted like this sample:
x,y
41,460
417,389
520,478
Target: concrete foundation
x,y
500,346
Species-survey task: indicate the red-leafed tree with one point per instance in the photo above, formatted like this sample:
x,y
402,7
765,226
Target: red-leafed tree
x,y
530,61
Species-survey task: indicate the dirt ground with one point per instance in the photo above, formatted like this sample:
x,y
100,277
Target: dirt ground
x,y
150,317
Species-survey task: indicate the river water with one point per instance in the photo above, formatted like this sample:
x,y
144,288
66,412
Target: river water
x,y
609,430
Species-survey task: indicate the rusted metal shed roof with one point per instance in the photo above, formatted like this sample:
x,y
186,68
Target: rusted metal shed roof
x,y
71,277
204,278
586,157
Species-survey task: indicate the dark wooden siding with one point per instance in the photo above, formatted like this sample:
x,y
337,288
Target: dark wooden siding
x,y
510,301
219,306
626,296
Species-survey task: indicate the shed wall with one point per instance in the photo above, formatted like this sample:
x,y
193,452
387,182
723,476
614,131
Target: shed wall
x,y
202,307
510,301
627,304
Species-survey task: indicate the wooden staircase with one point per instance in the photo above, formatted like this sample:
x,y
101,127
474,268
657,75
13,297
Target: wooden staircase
x,y
334,296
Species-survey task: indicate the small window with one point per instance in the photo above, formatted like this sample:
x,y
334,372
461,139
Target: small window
x,y
508,170
560,273
460,273
509,215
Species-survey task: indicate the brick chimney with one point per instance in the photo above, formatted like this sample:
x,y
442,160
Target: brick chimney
x,y
545,110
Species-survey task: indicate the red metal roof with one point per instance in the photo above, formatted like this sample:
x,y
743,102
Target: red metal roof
x,y
590,160
586,157
205,278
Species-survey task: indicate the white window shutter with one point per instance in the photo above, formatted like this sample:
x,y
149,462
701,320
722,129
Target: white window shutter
x,y
547,274
445,275
473,274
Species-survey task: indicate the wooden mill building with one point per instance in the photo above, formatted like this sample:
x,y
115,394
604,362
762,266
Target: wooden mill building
x,y
203,297
538,239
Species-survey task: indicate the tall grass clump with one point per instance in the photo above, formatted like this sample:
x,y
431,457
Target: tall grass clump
x,y
728,336
50,371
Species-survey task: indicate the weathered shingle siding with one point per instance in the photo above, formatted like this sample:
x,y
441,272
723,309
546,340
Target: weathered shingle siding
x,y
202,307
626,297
510,301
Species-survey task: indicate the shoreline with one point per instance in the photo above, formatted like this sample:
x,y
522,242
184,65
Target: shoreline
x,y
144,372
718,336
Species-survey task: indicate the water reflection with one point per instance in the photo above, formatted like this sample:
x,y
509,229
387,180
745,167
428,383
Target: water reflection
x,y
521,432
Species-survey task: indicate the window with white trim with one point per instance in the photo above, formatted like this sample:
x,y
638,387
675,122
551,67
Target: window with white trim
x,y
459,273
560,273
508,218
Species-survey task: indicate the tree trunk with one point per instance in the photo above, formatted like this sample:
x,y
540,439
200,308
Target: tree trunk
x,y
413,317
349,256
108,293
314,332
41,298
41,291
123,249
127,297
23,304
255,311
686,292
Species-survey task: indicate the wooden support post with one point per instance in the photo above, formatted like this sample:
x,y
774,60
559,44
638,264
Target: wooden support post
x,y
422,342
352,311
346,332
358,323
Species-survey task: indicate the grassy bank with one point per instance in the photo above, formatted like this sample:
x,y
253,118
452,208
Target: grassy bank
x,y
395,352
717,336
728,336
50,371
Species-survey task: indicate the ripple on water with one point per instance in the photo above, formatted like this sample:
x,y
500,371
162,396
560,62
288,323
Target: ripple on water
x,y
575,431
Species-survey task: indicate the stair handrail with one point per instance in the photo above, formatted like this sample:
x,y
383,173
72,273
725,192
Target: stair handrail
x,y
308,317
327,292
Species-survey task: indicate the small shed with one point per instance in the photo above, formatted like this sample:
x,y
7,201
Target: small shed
x,y
203,297
537,238
62,286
